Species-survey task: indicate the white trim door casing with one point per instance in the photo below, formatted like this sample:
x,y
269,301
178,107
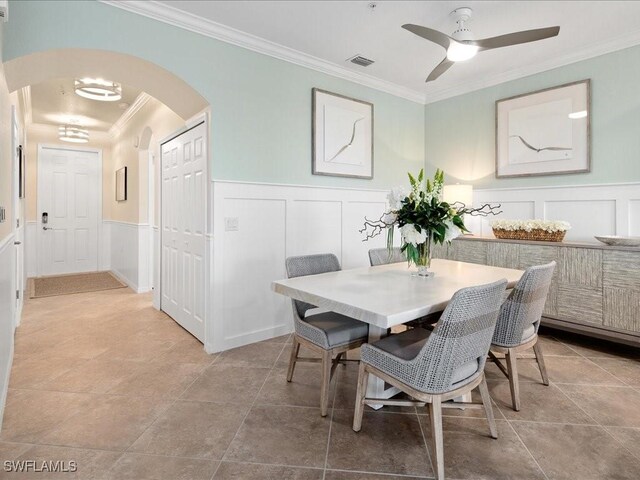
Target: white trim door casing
x,y
70,192
17,217
183,227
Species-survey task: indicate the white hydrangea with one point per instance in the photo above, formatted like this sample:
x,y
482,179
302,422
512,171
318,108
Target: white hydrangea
x,y
528,225
389,218
396,196
411,235
451,232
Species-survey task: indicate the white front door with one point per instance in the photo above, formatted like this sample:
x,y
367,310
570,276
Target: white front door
x,y
182,229
69,190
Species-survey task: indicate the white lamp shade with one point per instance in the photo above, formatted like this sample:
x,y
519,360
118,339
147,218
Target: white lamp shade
x,y
458,193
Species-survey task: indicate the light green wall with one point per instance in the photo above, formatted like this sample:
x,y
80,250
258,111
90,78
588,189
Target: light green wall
x,y
460,131
261,106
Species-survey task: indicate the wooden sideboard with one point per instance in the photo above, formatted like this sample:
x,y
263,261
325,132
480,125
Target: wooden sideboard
x,y
595,288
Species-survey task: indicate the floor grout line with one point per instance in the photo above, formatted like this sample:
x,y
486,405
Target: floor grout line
x,y
249,410
333,409
527,449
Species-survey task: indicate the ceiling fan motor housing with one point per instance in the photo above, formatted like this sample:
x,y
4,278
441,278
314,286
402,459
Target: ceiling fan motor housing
x,y
461,16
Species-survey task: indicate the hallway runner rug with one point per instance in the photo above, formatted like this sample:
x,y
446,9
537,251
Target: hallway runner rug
x,y
75,283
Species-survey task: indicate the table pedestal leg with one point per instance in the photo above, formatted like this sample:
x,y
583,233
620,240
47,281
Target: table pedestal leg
x,y
376,387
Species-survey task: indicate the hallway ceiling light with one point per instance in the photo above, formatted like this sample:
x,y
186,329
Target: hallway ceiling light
x,y
98,89
73,134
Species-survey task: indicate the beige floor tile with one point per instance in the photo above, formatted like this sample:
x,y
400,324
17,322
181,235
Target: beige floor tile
x,y
89,464
168,380
148,467
260,355
110,423
611,406
281,339
627,436
137,348
592,347
95,376
246,471
341,475
388,443
11,451
30,414
38,370
192,429
538,403
227,384
577,370
188,350
577,452
281,435
470,453
303,390
626,370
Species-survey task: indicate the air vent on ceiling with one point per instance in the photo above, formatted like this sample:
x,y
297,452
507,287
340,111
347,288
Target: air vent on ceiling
x,y
360,60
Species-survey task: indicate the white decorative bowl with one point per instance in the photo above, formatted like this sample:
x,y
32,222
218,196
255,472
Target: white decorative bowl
x,y
619,241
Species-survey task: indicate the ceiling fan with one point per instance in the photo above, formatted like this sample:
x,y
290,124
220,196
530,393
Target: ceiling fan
x,y
461,46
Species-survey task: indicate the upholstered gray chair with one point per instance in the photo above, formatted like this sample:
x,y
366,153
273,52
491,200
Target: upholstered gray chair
x,y
326,333
381,256
518,323
433,367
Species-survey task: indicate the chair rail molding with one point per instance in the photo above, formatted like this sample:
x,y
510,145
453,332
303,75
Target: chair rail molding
x,y
607,209
255,228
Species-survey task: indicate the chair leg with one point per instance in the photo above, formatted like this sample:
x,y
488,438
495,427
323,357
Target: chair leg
x,y
295,350
488,408
435,416
326,382
537,349
363,381
513,379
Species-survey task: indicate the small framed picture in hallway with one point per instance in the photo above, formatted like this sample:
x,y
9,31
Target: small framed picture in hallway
x,y
121,184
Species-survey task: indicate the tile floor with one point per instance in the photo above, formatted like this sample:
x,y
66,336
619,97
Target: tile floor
x,y
104,380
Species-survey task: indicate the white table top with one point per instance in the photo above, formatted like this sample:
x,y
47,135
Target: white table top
x,y
389,295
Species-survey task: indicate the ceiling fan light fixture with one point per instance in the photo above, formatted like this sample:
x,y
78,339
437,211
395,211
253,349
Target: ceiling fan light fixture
x,y
459,52
98,89
73,134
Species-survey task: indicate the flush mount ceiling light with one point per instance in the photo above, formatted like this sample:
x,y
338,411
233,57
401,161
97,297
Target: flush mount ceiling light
x,y
73,134
98,89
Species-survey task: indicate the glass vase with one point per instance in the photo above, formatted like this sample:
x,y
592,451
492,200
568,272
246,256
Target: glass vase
x,y
424,260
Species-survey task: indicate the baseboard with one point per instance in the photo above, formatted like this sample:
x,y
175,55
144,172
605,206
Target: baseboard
x,y
132,285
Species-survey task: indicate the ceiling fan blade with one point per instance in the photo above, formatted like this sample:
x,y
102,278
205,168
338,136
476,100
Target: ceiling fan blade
x,y
429,34
442,67
516,38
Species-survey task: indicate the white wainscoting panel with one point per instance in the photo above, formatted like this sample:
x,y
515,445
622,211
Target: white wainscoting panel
x,y
124,252
7,313
612,209
255,228
156,268
30,248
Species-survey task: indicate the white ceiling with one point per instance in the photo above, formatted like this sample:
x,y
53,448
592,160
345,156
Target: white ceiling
x,y
334,31
54,102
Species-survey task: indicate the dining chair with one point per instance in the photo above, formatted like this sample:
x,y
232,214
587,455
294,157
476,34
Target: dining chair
x,y
518,323
440,365
382,256
326,333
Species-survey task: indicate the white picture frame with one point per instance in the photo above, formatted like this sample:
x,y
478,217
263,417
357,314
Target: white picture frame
x,y
547,132
342,135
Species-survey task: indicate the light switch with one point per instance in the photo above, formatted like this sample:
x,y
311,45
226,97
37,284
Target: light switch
x,y
231,224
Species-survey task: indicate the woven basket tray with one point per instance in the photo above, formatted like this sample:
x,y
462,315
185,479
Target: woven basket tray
x,y
535,234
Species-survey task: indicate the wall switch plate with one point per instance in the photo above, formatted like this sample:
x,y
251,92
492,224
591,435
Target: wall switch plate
x,y
3,215
231,224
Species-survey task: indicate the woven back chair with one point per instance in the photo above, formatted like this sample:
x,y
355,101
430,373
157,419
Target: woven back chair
x,y
433,367
327,333
382,256
518,324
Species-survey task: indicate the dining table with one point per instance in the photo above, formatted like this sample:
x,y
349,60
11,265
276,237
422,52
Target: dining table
x,y
385,296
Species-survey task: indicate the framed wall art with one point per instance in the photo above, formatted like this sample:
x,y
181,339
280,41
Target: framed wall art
x,y
121,184
547,132
342,135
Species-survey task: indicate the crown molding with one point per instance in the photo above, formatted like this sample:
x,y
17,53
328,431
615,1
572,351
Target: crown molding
x,y
591,51
24,98
178,18
117,128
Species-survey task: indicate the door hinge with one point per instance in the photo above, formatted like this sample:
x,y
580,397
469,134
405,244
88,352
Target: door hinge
x,y
17,294
18,223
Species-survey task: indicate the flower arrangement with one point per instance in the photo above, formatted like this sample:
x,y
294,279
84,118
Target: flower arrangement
x,y
544,230
422,218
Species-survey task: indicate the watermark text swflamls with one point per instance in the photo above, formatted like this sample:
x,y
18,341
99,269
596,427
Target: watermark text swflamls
x,y
57,466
